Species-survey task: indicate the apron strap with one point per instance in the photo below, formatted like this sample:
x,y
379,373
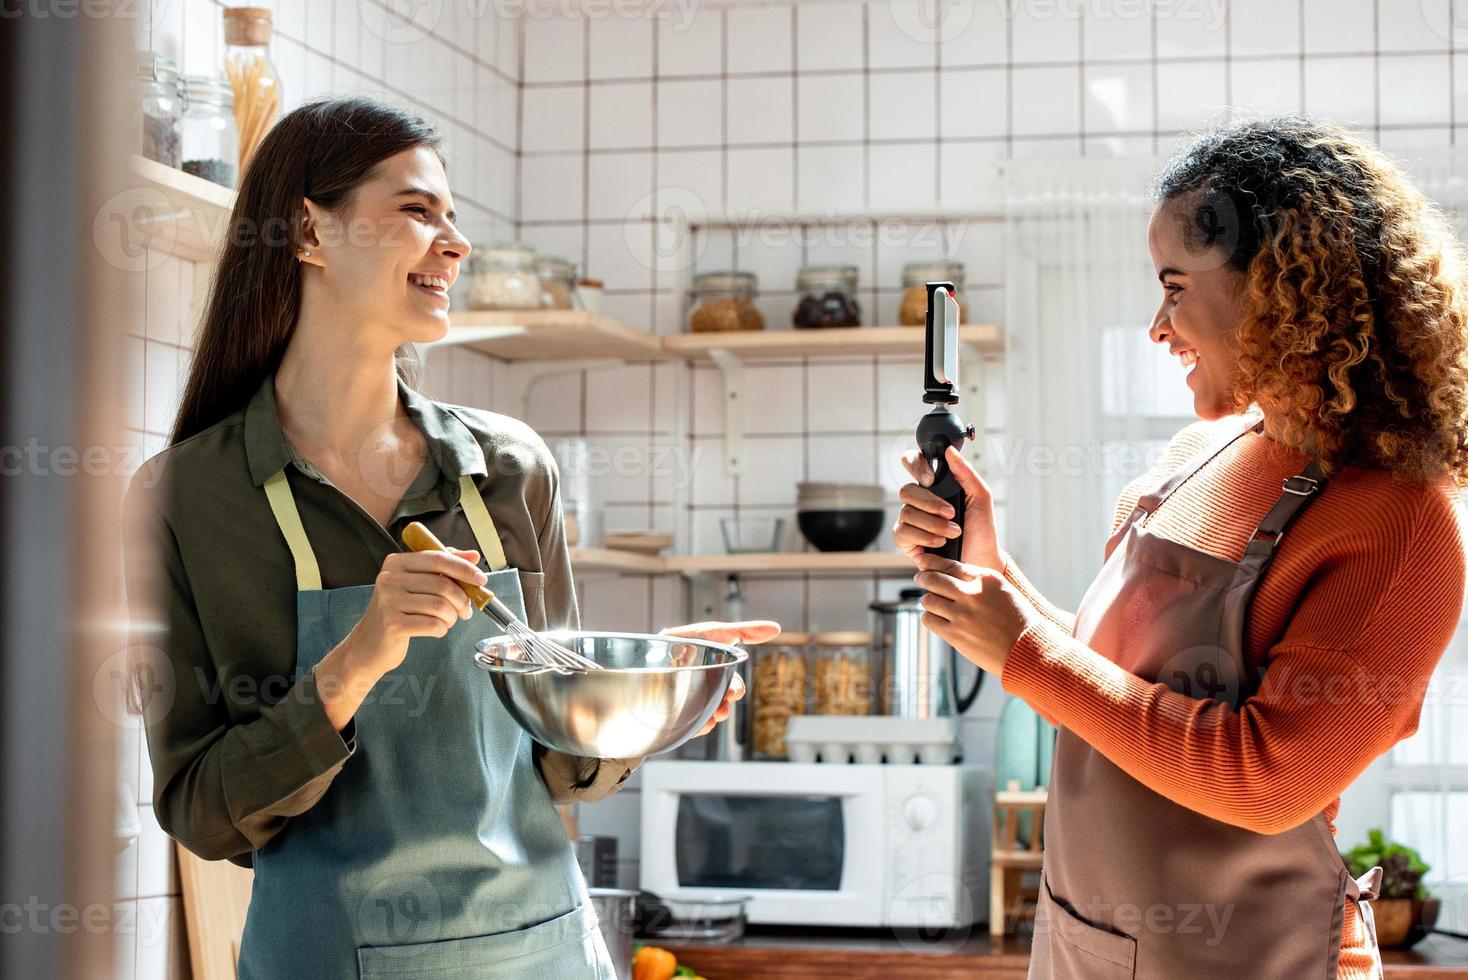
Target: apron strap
x,y
1294,496
1149,502
1365,888
481,524
283,505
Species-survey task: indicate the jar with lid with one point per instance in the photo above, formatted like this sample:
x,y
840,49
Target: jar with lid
x,y
915,277
843,675
724,301
502,277
207,133
252,76
162,107
780,689
827,297
557,283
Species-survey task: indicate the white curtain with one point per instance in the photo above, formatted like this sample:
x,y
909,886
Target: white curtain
x,y
1090,396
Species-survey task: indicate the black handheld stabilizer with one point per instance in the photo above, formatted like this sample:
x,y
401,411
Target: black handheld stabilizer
x,y
940,428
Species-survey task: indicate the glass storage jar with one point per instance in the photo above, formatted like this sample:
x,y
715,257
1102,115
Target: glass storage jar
x,y
252,76
781,688
843,675
207,133
162,107
725,301
502,277
557,283
827,297
915,276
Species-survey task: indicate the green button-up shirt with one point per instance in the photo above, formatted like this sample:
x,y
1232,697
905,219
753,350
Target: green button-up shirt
x,y
237,748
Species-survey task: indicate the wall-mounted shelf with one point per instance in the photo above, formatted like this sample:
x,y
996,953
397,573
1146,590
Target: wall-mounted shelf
x,y
844,342
786,562
577,334
552,335
610,560
169,211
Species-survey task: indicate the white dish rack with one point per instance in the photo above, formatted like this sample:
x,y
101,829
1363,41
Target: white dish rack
x,y
869,739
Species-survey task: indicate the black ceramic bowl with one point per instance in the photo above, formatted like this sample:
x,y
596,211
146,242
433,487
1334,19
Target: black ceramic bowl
x,y
841,530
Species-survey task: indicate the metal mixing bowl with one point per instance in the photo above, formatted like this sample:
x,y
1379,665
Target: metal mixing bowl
x,y
653,694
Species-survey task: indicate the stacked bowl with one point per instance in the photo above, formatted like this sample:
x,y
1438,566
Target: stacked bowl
x,y
840,516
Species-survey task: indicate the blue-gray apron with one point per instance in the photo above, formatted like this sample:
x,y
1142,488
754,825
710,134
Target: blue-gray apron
x,y
436,851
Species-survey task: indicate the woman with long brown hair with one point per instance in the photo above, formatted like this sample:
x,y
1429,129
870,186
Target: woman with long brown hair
x,y
1277,590
398,821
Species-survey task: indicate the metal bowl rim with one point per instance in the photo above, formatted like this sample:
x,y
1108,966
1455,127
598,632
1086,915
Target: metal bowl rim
x,y
740,654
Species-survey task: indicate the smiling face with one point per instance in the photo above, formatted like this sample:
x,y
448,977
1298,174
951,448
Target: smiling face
x,y
1202,307
386,265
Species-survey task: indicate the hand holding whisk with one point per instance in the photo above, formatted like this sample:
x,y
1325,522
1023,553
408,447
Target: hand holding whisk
x,y
537,649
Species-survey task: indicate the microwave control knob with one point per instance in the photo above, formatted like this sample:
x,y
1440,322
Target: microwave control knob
x,y
919,812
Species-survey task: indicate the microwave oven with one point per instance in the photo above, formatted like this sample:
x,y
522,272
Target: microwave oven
x,y
821,844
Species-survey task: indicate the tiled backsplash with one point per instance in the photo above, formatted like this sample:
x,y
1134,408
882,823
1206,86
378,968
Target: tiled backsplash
x,y
580,134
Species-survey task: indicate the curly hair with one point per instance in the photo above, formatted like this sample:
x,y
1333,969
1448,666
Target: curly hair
x,y
1355,326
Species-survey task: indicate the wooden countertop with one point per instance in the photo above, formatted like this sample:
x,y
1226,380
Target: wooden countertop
x,y
861,954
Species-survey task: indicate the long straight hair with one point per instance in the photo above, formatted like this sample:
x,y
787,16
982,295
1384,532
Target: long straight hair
x,y
322,150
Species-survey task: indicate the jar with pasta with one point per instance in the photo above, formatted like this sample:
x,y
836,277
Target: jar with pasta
x,y
503,277
843,675
557,283
252,76
915,277
724,301
781,687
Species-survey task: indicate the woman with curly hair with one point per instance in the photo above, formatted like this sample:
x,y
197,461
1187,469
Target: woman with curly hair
x,y
1223,681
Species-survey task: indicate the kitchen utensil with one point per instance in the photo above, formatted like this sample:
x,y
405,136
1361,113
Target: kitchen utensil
x,y
534,647
841,530
652,695
730,741
597,856
751,535
940,428
616,915
712,919
919,669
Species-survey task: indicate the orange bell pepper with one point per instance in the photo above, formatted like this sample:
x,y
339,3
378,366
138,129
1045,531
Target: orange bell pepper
x,y
653,963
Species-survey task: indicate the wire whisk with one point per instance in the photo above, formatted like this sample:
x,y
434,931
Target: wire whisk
x,y
537,648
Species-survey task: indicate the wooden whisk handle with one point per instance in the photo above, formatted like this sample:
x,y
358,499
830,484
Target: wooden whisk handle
x,y
417,537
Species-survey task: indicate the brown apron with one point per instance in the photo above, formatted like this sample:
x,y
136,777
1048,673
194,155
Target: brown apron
x,y
1135,885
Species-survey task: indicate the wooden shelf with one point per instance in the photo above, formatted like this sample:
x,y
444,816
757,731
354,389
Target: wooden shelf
x,y
578,335
844,342
794,561
610,560
785,562
552,335
170,211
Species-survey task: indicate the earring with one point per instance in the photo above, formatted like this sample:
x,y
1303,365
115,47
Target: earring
x,y
306,252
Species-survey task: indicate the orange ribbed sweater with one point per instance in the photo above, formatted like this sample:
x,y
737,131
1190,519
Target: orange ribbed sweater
x,y
1365,591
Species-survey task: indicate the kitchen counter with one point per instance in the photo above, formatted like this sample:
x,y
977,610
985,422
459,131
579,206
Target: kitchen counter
x,y
850,954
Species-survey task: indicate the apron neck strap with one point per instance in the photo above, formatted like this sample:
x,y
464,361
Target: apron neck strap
x,y
1149,502
481,524
283,505
308,572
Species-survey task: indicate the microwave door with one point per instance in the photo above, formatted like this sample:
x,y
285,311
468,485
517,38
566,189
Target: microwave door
x,y
806,847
